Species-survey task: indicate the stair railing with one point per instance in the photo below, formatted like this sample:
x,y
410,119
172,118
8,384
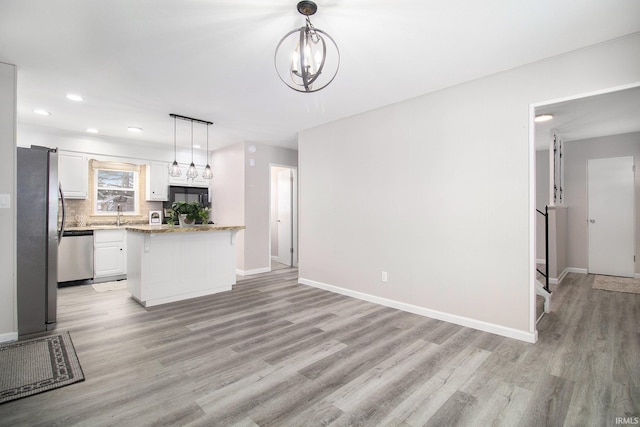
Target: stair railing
x,y
545,214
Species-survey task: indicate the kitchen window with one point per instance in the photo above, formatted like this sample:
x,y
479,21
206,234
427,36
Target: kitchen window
x,y
115,185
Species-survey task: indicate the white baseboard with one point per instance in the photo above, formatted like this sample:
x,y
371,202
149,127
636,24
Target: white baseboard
x,y
637,275
541,261
576,270
10,336
254,271
451,318
558,280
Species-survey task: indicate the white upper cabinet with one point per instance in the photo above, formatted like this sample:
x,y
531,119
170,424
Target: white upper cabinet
x,y
183,181
158,181
73,173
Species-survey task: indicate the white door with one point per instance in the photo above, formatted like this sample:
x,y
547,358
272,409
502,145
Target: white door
x,y
285,222
610,186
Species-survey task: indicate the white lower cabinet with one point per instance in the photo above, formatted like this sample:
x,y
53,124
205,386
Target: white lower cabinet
x,y
110,253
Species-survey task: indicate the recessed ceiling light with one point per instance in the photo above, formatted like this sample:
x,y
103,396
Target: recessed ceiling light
x,y
134,129
42,112
93,130
74,97
543,118
196,146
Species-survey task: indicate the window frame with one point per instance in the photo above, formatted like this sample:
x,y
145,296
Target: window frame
x,y
116,167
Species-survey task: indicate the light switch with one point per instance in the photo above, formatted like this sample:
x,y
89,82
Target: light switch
x,y
5,201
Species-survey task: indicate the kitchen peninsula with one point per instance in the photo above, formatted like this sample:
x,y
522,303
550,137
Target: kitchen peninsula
x,y
172,263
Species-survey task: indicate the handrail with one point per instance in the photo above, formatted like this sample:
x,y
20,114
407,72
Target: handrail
x,y
545,214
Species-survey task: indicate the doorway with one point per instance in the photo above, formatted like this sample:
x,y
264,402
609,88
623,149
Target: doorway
x,y
284,216
610,187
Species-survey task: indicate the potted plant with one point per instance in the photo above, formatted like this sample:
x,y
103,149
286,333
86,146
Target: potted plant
x,y
187,213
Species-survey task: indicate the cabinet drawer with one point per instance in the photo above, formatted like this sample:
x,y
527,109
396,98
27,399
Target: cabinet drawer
x,y
108,236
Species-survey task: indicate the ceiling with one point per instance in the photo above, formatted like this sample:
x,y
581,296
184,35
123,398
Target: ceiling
x,y
135,61
590,117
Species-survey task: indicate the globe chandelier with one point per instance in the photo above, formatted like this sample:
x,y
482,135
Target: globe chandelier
x,y
307,59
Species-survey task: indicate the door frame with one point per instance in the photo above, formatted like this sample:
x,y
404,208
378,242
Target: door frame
x,y
294,210
532,189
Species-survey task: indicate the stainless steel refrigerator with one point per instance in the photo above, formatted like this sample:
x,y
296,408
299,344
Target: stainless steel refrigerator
x,y
39,232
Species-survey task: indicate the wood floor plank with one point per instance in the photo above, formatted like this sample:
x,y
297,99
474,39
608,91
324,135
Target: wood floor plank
x,y
272,352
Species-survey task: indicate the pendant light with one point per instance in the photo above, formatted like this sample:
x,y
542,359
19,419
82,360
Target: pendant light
x,y
174,170
307,59
192,172
208,173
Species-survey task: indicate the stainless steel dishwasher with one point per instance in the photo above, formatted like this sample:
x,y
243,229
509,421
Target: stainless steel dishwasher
x,y
75,256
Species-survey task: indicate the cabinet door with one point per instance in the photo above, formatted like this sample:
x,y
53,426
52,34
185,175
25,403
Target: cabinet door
x,y
73,173
179,180
158,182
182,180
199,181
109,253
109,260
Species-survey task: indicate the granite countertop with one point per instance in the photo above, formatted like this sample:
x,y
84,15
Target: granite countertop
x,y
97,227
177,229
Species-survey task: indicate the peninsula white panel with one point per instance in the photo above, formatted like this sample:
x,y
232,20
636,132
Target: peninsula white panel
x,y
168,267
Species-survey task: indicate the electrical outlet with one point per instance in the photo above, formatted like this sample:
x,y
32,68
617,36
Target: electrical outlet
x,y
384,277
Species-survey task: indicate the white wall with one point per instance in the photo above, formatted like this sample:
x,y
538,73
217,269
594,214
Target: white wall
x,y
258,201
8,314
436,191
247,174
227,192
576,154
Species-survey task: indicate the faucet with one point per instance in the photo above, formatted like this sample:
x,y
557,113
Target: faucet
x,y
118,223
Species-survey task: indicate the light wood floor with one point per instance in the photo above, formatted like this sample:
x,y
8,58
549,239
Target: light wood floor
x,y
275,353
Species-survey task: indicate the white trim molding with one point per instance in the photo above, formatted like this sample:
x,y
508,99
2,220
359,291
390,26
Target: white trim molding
x,y
558,280
575,270
451,318
9,336
254,271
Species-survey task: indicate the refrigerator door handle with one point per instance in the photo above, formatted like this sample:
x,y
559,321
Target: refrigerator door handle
x,y
64,214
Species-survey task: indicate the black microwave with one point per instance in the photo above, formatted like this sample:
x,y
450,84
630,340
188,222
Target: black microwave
x,y
187,194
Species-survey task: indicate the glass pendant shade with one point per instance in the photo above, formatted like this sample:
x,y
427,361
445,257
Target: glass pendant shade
x,y
192,172
174,170
207,173
307,59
